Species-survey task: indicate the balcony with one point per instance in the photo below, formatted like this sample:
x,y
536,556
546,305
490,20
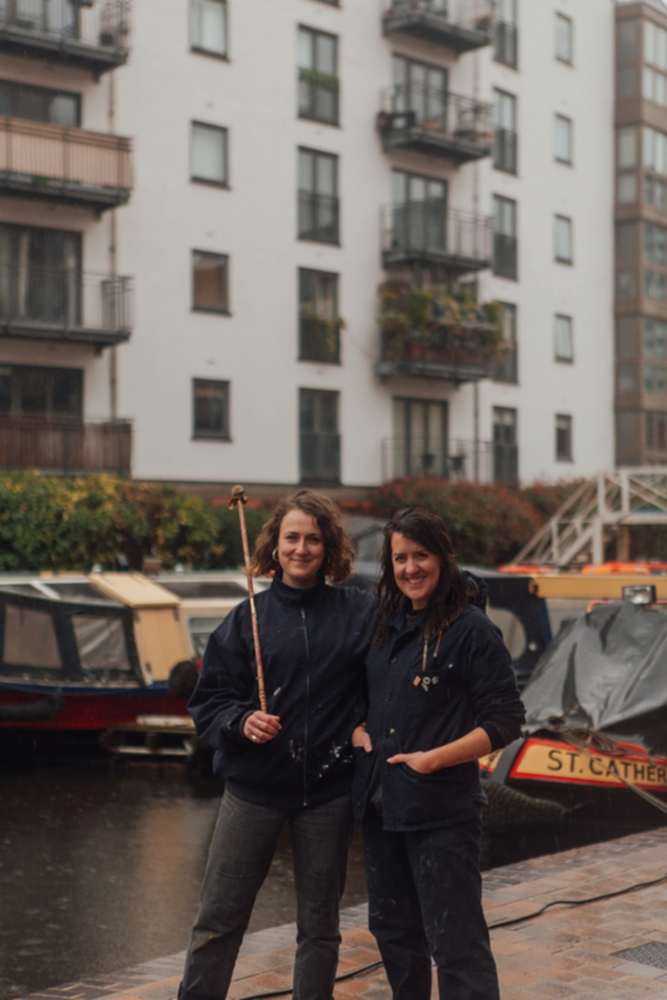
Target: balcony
x,y
459,25
64,445
319,457
435,334
425,120
65,306
65,165
427,233
94,37
457,460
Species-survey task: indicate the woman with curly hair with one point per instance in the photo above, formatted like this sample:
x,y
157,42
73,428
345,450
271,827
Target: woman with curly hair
x,y
441,694
293,764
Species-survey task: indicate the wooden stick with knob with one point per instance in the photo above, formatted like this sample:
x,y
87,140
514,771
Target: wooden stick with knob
x,y
238,499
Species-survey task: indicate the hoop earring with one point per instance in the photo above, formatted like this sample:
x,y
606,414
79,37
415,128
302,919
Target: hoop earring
x,y
274,555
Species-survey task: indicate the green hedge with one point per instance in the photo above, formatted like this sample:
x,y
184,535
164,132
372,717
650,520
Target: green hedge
x,y
53,523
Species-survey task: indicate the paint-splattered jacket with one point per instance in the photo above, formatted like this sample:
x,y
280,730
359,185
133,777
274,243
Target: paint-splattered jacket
x,y
314,644
468,682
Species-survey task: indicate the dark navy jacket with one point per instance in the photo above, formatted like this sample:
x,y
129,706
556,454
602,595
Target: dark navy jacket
x,y
468,682
314,644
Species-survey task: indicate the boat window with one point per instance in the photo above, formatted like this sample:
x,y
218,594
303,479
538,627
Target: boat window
x,y
514,634
204,588
76,591
200,630
30,639
101,643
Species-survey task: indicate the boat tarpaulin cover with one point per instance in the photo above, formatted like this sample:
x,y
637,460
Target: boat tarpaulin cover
x,y
607,672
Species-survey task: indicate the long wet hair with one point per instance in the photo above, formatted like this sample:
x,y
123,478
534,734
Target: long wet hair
x,y
449,597
338,549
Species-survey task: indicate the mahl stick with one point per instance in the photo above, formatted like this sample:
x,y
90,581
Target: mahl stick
x,y
239,499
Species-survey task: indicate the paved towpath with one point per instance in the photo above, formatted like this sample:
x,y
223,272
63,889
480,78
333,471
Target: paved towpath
x,y
614,949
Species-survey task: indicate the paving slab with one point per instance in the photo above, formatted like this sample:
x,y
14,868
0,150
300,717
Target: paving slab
x,y
613,948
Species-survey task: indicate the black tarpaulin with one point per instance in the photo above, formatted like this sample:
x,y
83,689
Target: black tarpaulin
x,y
607,672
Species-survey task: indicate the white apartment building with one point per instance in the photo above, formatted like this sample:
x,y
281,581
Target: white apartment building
x,y
200,200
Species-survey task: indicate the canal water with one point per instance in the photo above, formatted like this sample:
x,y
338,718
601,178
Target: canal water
x,y
101,861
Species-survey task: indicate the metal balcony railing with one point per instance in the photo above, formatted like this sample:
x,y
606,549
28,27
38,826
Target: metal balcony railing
x,y
461,25
466,352
319,457
92,35
47,161
64,305
505,150
436,122
65,445
458,460
318,217
429,232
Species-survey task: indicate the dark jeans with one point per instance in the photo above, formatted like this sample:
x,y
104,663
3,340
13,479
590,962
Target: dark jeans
x,y
243,844
424,900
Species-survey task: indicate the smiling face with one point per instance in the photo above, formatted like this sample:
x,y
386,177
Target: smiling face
x,y
300,549
416,570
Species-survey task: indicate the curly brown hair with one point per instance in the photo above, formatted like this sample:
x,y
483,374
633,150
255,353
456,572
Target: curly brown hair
x,y
338,549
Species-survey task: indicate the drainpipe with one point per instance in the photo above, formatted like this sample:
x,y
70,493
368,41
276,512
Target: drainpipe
x,y
113,264
475,205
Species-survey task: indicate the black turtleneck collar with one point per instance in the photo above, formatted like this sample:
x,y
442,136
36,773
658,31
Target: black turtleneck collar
x,y
296,596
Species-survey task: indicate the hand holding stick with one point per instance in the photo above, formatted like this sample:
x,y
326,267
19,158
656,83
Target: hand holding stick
x,y
238,499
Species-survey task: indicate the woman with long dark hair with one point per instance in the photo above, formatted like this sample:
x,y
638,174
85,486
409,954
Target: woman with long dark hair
x,y
292,765
441,694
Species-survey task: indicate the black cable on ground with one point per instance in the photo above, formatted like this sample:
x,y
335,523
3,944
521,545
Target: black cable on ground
x,y
365,969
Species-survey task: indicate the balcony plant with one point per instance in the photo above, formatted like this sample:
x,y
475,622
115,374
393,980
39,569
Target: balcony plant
x,y
438,324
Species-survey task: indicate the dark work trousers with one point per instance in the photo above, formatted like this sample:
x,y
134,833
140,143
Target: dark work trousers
x,y
243,844
425,900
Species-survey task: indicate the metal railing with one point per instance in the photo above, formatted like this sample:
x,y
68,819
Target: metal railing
x,y
104,25
318,96
65,445
66,300
505,150
473,15
319,457
50,157
430,227
319,339
318,217
459,460
505,256
440,112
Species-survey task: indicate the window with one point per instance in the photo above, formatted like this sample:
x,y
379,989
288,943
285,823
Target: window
x,y
40,275
209,282
563,338
319,440
655,193
655,244
563,437
41,392
655,378
505,238
506,36
626,189
419,213
421,88
39,104
209,154
564,39
419,446
208,26
655,45
505,448
318,76
505,137
210,409
655,339
318,197
507,369
627,146
563,139
655,433
319,323
655,285
655,150
563,240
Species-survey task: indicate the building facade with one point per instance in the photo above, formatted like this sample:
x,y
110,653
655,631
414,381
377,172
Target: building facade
x,y
273,243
